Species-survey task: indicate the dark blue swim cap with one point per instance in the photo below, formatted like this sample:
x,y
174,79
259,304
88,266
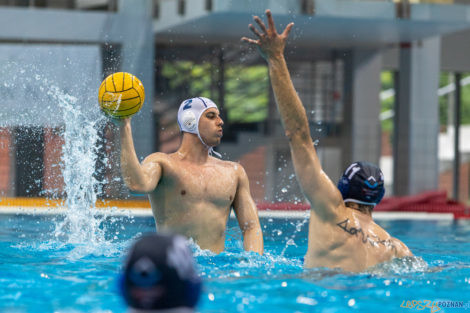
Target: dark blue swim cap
x,y
363,183
159,274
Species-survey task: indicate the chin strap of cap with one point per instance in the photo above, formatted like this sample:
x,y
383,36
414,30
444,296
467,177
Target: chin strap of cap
x,y
210,149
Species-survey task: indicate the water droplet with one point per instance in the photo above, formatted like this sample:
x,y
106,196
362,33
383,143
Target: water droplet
x,y
306,300
211,296
284,190
351,302
291,242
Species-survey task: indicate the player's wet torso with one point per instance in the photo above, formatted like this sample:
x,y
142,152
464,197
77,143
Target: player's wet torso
x,y
353,242
195,199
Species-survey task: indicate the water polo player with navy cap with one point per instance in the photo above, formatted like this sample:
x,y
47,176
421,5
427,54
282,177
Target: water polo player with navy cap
x,y
342,233
190,191
159,276
362,183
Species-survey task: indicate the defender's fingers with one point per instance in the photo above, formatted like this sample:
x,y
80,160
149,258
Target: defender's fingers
x,y
254,30
287,30
261,24
249,40
270,20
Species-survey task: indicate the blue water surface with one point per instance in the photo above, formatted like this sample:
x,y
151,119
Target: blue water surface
x,y
42,273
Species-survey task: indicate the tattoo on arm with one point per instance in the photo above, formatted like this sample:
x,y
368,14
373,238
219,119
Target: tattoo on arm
x,y
373,240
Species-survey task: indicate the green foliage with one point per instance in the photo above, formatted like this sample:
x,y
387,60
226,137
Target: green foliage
x,y
387,104
445,79
465,103
446,100
246,87
247,93
186,79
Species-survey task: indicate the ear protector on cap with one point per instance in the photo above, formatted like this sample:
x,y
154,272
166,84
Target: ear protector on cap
x,y
188,120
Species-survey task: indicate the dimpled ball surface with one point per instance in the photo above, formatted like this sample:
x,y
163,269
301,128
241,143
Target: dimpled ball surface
x,y
121,95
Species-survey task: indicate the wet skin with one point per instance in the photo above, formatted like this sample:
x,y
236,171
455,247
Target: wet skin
x,y
192,193
339,236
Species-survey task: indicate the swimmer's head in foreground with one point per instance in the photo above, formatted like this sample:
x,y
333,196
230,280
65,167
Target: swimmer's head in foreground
x,y
362,185
200,116
159,275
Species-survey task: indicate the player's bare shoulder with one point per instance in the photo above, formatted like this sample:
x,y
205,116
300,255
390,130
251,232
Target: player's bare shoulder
x,y
401,249
229,165
230,168
158,158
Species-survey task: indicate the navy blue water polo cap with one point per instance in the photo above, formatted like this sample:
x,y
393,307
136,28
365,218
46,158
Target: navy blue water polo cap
x,y
159,274
363,183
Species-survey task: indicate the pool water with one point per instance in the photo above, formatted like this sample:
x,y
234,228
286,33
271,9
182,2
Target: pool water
x,y
42,273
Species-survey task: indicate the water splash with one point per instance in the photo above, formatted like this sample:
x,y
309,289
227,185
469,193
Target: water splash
x,y
57,99
298,228
79,155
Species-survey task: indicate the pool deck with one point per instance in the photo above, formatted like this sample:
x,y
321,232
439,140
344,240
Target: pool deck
x,y
43,206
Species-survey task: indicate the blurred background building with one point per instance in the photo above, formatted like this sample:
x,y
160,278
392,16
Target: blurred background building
x,y
381,81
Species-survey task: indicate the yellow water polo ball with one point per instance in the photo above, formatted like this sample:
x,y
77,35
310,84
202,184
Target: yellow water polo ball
x,y
121,95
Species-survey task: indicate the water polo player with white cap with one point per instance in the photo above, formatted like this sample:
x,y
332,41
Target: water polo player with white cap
x,y
342,233
190,113
191,193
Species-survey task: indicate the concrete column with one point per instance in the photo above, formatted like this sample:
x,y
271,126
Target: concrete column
x,y
362,132
138,58
417,118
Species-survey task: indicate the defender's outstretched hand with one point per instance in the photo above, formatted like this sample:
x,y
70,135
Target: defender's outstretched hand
x,y
270,42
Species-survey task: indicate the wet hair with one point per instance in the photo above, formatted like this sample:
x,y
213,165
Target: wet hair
x,y
364,208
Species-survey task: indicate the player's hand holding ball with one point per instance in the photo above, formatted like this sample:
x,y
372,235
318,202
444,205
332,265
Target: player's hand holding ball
x,y
121,95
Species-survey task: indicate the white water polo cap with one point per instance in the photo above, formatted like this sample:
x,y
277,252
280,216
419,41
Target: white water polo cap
x,y
189,114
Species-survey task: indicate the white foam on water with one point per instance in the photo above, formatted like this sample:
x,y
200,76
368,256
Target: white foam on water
x,y
400,266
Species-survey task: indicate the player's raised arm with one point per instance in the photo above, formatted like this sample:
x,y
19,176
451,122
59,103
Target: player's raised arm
x,y
138,177
120,96
319,189
247,214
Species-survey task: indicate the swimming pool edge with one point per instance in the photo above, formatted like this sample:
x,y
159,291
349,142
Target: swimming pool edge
x,y
392,215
